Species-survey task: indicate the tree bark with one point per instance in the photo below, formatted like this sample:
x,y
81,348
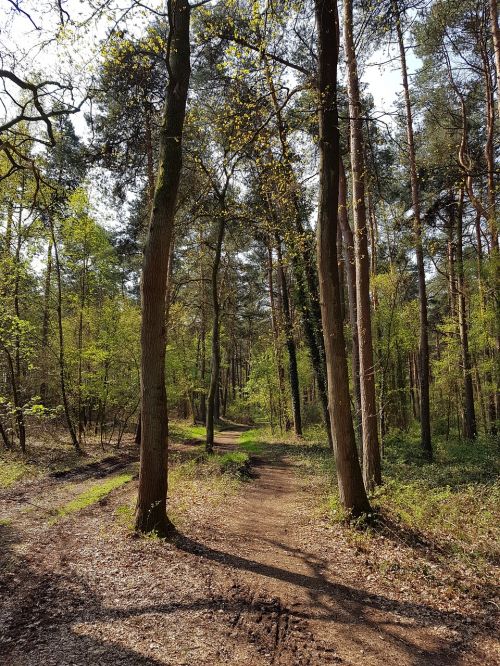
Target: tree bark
x,y
489,149
277,345
290,344
350,481
350,268
5,439
60,330
152,496
372,474
495,33
19,414
215,364
425,413
470,426
46,324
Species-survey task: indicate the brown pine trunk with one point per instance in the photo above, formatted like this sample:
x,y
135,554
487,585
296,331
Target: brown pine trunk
x,y
489,148
413,391
495,33
277,345
489,152
45,325
203,346
3,435
452,284
425,412
213,391
470,427
350,481
372,474
18,409
342,280
81,408
60,330
350,268
290,344
152,495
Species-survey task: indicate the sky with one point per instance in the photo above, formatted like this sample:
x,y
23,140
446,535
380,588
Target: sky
x,y
74,55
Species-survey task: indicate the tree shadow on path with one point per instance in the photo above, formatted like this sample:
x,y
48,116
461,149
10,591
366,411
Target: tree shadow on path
x,y
355,608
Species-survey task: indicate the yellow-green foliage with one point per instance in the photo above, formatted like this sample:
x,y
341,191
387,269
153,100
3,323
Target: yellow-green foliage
x,y
93,494
184,430
250,441
456,498
204,479
12,470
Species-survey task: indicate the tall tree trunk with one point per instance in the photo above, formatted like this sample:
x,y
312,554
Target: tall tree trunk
x,y
350,267
215,364
290,343
495,33
18,408
17,278
413,390
152,495
302,256
203,345
489,148
60,330
350,481
452,282
470,427
425,412
489,153
81,408
46,324
3,435
282,416
340,255
372,473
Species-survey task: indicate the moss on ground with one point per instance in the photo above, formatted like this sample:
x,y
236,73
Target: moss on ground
x,y
92,495
13,469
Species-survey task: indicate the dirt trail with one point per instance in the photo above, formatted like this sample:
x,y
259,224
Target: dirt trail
x,y
251,582
292,585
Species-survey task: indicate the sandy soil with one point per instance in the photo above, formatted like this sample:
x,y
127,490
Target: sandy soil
x,y
251,581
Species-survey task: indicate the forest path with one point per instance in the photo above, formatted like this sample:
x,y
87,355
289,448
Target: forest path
x,y
301,591
254,580
43,496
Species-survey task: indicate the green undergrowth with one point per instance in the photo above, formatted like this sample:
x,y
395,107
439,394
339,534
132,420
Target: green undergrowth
x,y
455,499
48,454
309,452
186,430
250,442
196,482
452,502
13,469
92,495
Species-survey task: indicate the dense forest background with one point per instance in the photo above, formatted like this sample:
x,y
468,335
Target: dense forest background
x,y
415,232
249,332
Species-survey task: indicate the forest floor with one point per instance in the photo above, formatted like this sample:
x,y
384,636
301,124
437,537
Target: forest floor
x,y
254,577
